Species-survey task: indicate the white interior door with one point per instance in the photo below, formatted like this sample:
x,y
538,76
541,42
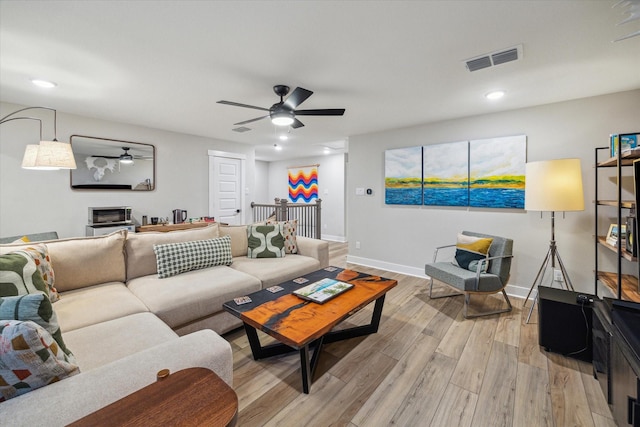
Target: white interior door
x,y
226,181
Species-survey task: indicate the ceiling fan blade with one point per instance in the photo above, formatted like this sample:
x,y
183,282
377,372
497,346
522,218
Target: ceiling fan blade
x,y
297,97
237,104
321,112
250,120
297,124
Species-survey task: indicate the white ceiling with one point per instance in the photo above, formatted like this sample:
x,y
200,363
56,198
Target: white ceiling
x,y
391,64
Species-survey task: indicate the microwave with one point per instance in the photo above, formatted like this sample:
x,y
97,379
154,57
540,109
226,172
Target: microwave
x,y
112,215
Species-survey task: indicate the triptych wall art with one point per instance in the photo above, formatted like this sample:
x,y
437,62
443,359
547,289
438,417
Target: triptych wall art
x,y
487,173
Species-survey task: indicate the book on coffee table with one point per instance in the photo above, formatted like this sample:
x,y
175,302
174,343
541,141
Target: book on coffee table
x,y
322,290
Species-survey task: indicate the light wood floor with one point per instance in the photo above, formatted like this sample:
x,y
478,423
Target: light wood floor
x,y
425,366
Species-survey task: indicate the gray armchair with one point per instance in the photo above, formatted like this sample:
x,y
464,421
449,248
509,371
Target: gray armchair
x,y
475,282
36,237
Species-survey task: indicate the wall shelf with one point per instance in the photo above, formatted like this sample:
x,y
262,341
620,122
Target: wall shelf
x,y
624,254
627,204
629,284
624,286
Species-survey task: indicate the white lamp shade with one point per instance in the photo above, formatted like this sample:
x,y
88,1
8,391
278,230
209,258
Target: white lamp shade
x,y
554,185
49,155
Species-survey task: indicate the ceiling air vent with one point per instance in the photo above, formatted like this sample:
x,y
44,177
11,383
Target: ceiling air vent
x,y
494,58
241,129
479,63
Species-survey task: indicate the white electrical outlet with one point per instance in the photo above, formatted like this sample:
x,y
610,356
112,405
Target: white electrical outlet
x,y
557,276
357,245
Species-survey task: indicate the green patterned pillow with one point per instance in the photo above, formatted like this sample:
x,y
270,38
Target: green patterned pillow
x,y
40,254
37,308
19,275
289,232
265,241
176,258
470,250
29,359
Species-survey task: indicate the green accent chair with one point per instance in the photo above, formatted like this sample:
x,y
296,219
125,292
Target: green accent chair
x,y
475,282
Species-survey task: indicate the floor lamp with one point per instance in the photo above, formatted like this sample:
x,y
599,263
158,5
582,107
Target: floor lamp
x,y
48,155
552,186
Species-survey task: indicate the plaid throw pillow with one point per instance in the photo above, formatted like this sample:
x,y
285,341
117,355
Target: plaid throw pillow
x,y
176,258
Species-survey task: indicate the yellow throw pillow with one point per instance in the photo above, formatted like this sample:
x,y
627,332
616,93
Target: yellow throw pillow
x,y
470,250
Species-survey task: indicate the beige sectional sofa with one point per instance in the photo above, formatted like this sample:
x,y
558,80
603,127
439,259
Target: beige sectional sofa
x,y
124,324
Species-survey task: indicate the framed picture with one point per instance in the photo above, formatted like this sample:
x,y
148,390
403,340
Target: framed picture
x,y
613,235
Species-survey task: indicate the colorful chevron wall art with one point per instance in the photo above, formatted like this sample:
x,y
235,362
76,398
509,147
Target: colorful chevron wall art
x,y
303,183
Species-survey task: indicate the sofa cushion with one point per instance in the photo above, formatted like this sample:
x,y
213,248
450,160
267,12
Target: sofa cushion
x,y
19,275
273,271
238,234
29,359
176,258
141,259
192,295
289,231
265,241
36,308
88,306
102,343
85,261
470,250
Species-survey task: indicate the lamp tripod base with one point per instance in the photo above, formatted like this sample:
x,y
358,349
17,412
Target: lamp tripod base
x,y
552,256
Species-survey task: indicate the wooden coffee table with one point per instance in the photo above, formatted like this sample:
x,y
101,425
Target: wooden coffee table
x,y
300,324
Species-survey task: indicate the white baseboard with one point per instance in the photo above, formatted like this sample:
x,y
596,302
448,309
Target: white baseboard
x,y
512,290
339,239
382,265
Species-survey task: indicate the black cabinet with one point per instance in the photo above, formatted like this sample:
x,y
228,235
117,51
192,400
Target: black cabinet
x,y
564,324
624,388
601,337
616,365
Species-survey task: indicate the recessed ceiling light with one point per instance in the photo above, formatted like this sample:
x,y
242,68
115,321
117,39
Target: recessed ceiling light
x,y
277,147
496,94
327,150
43,83
283,137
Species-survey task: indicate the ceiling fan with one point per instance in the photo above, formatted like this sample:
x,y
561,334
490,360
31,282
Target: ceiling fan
x,y
284,113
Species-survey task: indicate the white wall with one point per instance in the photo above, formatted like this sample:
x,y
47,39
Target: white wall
x,y
34,201
403,238
261,193
331,184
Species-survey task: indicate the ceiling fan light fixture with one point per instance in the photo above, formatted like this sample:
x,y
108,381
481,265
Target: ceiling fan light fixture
x,y
126,158
282,118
